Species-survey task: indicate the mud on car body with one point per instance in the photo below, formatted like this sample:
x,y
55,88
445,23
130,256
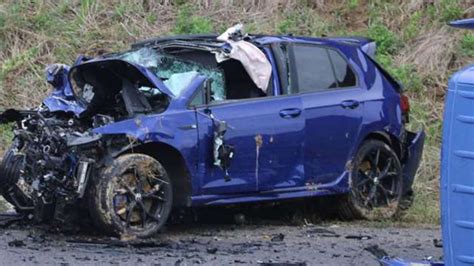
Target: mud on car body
x,y
209,120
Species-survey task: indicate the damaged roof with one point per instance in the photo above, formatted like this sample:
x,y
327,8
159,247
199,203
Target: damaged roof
x,y
256,38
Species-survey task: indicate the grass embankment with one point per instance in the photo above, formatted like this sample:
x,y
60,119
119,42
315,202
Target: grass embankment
x,y
414,44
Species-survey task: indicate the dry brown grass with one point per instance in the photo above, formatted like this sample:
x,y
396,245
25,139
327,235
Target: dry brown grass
x,y
431,52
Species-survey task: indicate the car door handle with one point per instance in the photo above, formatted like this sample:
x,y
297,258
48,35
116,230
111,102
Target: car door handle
x,y
352,104
290,113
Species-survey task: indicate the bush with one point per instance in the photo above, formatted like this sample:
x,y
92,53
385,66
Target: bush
x,y
387,41
450,10
187,23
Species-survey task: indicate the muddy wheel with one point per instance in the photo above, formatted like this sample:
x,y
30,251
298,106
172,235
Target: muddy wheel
x,y
376,183
12,186
133,197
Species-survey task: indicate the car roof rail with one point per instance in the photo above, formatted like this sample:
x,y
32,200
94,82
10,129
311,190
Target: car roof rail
x,y
161,39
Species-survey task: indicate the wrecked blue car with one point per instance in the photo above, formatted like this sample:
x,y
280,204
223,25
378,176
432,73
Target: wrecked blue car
x,y
209,120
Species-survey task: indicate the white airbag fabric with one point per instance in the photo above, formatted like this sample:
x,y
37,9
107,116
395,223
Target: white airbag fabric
x,y
252,58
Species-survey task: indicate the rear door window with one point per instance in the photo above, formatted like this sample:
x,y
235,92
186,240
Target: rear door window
x,y
311,69
318,68
345,77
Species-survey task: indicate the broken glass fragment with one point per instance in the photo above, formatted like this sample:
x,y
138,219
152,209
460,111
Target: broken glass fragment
x,y
166,66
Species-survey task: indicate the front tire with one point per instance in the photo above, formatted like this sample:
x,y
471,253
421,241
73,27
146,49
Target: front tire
x,y
133,197
376,184
12,186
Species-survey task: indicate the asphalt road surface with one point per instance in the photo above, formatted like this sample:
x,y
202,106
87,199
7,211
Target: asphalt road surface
x,y
221,244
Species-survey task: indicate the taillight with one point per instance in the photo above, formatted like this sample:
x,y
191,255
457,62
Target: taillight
x,y
405,106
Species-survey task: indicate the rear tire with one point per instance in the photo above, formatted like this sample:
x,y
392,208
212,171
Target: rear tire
x,y
132,197
376,184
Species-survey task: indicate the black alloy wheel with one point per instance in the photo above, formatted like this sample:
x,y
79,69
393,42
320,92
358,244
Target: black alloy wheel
x,y
133,197
376,183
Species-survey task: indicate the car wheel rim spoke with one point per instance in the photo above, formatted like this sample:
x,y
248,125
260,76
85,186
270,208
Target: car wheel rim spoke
x,y
377,157
389,174
374,162
370,196
386,193
139,199
126,186
155,197
146,213
385,170
365,178
138,179
130,209
158,179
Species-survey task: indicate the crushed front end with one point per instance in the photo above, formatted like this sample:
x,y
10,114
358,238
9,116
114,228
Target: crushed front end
x,y
48,165
55,151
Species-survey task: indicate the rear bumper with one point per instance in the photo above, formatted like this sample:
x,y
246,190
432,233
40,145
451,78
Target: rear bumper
x,y
414,151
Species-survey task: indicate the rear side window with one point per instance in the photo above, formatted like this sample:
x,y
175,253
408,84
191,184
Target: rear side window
x,y
312,69
317,68
345,77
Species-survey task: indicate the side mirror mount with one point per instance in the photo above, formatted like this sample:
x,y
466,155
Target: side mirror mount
x,y
208,90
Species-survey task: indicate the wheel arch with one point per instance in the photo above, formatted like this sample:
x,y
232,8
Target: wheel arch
x,y
388,138
174,163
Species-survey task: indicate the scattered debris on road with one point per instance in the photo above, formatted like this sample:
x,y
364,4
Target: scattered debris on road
x,y
376,251
278,237
359,237
217,244
16,243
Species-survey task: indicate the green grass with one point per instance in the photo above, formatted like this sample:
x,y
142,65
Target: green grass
x,y
302,21
414,26
450,10
387,40
467,45
188,23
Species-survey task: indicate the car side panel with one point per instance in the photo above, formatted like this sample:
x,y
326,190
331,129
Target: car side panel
x,y
382,111
268,148
331,132
175,128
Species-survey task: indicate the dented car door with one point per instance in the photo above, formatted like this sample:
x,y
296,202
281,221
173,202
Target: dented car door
x,y
267,137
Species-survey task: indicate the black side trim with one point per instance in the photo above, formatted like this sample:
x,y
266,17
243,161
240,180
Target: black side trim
x,y
281,61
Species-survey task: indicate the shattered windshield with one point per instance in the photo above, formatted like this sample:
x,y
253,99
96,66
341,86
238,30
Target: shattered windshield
x,y
176,73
